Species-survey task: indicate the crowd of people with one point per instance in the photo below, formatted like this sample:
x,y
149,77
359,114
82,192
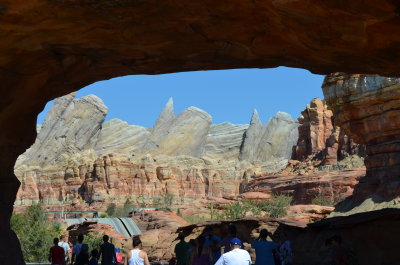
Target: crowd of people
x,y
63,254
209,249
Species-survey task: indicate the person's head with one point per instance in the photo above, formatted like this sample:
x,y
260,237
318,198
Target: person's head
x,y
80,238
94,253
62,238
136,242
181,236
208,231
55,241
235,243
193,242
232,230
105,238
85,248
264,234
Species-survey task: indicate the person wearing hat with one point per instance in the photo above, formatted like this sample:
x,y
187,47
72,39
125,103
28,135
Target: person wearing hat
x,y
236,256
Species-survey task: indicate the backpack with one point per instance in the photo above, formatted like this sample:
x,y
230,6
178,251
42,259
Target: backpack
x,y
118,255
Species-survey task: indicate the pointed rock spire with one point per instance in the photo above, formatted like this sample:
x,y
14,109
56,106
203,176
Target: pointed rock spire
x,y
166,115
255,118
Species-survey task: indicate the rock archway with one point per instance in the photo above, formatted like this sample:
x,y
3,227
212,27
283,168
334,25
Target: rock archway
x,y
52,47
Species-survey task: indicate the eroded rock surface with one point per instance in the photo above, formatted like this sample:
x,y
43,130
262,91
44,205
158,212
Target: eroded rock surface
x,y
273,140
321,139
367,109
71,126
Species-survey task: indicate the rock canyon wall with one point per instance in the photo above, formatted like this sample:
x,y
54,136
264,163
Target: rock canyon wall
x,y
76,156
367,109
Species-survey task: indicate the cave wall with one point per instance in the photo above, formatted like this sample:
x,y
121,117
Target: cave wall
x,y
51,48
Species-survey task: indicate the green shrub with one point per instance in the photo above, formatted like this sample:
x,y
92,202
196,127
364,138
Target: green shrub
x,y
322,200
195,219
234,210
94,240
111,209
121,211
35,232
276,206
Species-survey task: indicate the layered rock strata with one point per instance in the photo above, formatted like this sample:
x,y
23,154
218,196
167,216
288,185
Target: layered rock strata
x,y
273,140
71,126
367,109
110,179
320,139
182,154
333,187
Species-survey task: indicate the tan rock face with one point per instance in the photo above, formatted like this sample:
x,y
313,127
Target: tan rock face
x,y
366,107
110,179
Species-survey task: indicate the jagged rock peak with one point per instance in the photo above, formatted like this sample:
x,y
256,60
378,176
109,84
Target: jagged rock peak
x,y
71,126
167,113
255,118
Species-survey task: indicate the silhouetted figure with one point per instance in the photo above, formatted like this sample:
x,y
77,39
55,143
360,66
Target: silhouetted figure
x,y
192,248
236,256
107,252
202,254
137,256
339,254
264,249
93,259
213,242
56,256
284,249
226,242
83,257
181,250
77,248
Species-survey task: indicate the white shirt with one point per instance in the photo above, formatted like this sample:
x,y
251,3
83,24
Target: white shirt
x,y
236,256
66,247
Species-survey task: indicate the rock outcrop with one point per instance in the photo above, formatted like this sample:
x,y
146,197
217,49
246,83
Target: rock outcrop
x,y
71,126
320,139
274,140
183,155
331,187
185,134
367,109
111,179
117,136
308,241
224,141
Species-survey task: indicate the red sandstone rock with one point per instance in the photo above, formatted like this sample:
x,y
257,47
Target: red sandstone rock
x,y
334,186
320,139
367,108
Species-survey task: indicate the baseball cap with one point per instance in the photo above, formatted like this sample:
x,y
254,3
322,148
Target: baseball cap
x,y
236,241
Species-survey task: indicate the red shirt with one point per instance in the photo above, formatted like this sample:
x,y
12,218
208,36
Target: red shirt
x,y
57,255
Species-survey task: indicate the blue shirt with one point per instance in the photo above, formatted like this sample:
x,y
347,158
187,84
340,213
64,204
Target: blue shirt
x,y
215,252
264,254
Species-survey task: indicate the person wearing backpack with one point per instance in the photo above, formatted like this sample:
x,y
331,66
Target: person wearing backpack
x,y
118,256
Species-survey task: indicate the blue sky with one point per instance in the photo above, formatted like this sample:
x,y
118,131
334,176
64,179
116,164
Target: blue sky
x,y
228,95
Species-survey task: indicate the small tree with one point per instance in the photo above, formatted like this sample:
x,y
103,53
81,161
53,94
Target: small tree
x,y
94,240
168,200
35,233
277,205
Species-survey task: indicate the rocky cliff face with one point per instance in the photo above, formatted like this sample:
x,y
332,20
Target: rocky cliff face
x,y
367,109
320,139
182,154
71,126
274,140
